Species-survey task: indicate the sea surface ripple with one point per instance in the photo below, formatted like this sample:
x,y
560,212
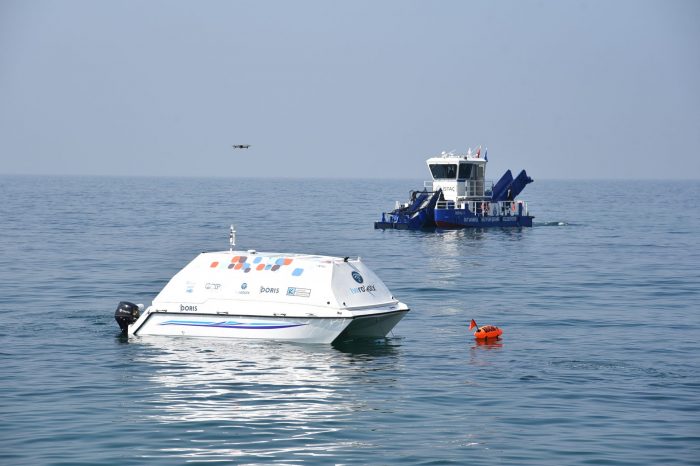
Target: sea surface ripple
x,y
599,363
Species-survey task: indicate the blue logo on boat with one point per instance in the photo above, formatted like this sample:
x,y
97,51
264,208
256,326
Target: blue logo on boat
x,y
357,277
244,286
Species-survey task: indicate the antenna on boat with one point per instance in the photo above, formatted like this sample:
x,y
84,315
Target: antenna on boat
x,y
232,238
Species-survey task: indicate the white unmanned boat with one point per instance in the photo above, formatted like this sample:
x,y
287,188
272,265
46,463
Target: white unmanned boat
x,y
264,295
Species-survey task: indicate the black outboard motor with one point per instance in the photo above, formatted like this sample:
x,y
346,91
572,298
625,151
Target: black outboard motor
x,y
126,314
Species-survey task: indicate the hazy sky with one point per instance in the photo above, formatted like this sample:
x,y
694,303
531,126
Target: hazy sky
x,y
565,89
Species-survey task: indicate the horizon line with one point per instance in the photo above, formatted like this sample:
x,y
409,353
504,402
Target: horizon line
x,y
349,178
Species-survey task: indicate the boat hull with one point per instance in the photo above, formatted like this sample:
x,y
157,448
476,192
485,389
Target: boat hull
x,y
295,329
372,326
462,218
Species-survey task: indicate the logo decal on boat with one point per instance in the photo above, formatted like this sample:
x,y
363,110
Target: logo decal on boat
x,y
244,286
357,277
363,289
269,290
213,286
300,292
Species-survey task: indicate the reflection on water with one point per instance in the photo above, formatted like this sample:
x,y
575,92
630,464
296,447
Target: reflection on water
x,y
368,348
450,248
452,243
275,398
488,344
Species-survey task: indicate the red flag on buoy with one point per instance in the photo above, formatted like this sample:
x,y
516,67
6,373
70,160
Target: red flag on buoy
x,y
472,324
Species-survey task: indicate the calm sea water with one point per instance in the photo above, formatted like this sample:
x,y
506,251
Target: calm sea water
x,y
599,364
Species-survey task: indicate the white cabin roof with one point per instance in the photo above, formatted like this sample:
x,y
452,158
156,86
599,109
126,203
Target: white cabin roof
x,y
298,279
456,158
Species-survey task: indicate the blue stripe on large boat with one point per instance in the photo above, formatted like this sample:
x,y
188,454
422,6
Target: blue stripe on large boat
x,y
231,324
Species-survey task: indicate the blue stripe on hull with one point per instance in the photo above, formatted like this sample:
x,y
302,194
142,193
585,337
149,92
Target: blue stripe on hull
x,y
230,324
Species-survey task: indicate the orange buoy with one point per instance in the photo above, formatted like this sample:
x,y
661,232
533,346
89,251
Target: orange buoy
x,y
485,332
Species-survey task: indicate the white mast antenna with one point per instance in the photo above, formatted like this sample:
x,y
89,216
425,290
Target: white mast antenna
x,y
232,238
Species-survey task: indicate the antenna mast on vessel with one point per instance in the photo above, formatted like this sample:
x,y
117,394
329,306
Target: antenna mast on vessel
x,y
232,238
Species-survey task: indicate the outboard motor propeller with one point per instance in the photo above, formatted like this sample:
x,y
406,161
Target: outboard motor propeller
x,y
126,314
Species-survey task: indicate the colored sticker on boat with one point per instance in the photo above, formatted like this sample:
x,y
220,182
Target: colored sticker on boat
x,y
261,263
300,292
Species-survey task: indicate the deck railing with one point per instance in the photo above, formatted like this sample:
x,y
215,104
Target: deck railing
x,y
487,207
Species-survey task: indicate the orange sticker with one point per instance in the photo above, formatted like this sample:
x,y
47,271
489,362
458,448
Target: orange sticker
x,y
214,264
287,261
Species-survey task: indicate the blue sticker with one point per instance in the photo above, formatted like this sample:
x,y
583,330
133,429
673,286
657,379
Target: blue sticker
x,y
357,277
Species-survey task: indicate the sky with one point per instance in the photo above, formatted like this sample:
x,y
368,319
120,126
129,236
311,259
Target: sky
x,y
605,89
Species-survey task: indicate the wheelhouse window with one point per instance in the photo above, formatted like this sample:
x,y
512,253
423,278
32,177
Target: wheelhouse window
x,y
441,171
465,171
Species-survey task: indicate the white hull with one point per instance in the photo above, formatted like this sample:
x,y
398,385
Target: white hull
x,y
296,329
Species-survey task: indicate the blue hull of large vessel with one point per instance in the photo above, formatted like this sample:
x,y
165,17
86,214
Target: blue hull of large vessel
x,y
462,218
455,218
